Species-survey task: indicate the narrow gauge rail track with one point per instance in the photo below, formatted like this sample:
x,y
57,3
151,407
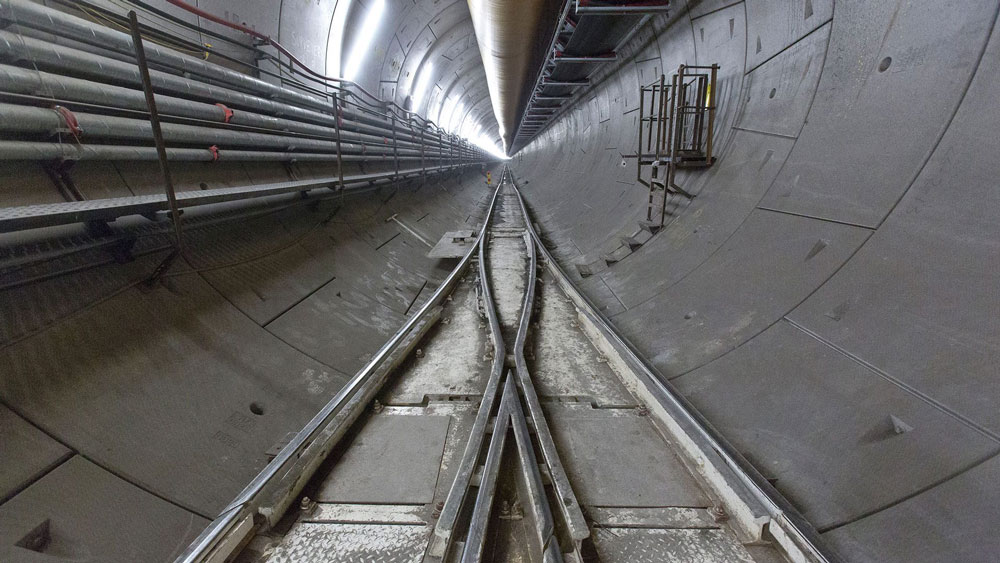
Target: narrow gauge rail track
x,y
506,421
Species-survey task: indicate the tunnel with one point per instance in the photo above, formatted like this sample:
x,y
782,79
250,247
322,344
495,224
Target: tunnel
x,y
221,220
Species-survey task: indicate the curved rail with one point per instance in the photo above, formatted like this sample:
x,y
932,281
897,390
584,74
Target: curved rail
x,y
509,416
568,504
459,490
732,473
262,503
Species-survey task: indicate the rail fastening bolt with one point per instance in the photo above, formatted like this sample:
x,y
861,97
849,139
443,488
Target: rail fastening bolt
x,y
718,513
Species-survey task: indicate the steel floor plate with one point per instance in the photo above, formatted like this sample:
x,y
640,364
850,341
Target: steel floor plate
x,y
370,543
565,363
395,459
635,545
452,363
616,458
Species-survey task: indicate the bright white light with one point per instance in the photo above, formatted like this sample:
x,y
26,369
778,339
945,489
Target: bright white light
x,y
484,142
468,129
336,40
423,81
364,39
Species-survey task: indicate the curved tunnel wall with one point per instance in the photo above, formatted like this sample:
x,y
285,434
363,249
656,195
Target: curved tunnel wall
x,y
435,33
828,299
131,417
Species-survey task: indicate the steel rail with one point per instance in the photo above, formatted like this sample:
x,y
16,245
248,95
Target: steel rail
x,y
544,524
252,500
510,415
711,450
568,503
457,494
475,541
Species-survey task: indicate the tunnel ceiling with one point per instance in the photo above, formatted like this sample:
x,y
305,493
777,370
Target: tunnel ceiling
x,y
435,36
411,37
513,38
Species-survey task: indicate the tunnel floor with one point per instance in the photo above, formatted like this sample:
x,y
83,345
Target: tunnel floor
x,y
382,493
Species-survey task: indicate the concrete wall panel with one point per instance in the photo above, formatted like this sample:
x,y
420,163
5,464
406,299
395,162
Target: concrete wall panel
x,y
931,51
28,453
89,510
303,29
159,400
919,301
770,265
780,23
720,38
777,94
740,179
770,282
829,430
955,521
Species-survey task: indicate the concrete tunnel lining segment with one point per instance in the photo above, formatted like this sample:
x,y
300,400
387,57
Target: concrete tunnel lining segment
x,y
876,148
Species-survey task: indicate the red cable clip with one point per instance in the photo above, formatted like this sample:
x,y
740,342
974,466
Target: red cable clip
x,y
227,112
214,149
71,123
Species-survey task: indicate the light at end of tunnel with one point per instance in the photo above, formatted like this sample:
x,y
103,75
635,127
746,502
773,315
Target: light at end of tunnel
x,y
334,56
423,82
484,142
364,39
